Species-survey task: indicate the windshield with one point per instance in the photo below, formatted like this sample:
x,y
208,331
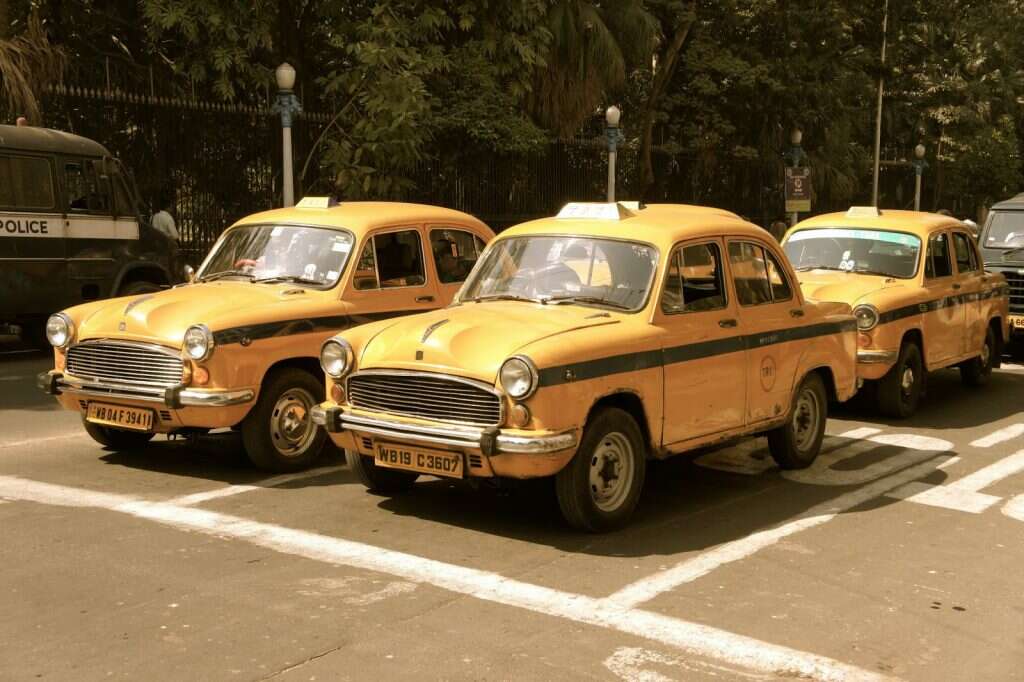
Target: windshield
x,y
589,271
314,256
1005,230
878,252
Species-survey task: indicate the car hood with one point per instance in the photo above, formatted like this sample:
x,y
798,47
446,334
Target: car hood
x,y
473,339
163,317
845,287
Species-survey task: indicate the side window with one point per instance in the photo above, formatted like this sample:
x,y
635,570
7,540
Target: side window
x,y
965,258
389,261
750,275
455,253
694,280
937,262
86,194
26,183
777,279
6,182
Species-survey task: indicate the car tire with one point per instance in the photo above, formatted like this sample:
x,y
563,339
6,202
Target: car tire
x,y
976,371
612,444
116,439
899,391
379,479
278,433
136,288
796,444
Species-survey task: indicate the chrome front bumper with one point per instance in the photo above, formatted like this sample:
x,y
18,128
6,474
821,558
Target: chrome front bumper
x,y
876,357
55,383
490,440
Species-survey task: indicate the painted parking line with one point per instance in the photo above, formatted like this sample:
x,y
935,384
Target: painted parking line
x,y
691,638
228,491
1001,436
37,441
689,570
964,494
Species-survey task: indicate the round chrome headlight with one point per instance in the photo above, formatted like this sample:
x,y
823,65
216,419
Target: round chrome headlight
x,y
518,376
60,330
336,358
867,316
198,342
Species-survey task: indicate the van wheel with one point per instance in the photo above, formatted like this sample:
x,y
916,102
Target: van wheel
x,y
796,444
116,439
899,391
599,489
976,371
379,479
136,288
278,433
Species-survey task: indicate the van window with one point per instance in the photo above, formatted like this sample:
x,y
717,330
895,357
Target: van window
x,y
85,192
25,183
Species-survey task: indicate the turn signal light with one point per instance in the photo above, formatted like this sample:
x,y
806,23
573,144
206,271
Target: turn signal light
x,y
519,415
338,393
201,375
863,340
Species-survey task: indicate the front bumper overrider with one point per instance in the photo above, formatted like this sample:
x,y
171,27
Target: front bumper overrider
x,y
174,397
489,440
877,357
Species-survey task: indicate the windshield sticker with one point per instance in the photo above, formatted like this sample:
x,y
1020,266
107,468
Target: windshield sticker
x,y
341,247
332,275
871,235
277,230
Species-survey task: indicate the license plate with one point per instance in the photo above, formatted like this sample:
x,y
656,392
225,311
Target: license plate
x,y
436,462
1017,322
134,418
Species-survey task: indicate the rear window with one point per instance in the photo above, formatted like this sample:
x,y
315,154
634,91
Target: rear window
x,y
26,183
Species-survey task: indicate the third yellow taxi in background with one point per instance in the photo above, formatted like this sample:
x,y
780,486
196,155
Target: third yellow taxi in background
x,y
918,288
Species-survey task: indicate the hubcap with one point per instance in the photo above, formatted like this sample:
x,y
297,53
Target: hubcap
x,y
806,419
612,468
907,380
291,428
986,354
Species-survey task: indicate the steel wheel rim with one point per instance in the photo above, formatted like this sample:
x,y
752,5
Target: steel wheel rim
x,y
907,380
612,470
986,354
291,429
806,419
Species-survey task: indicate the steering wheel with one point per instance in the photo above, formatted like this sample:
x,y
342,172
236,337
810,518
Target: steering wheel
x,y
554,277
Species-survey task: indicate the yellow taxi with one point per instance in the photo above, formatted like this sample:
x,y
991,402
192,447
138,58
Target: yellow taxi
x,y
238,346
585,343
918,288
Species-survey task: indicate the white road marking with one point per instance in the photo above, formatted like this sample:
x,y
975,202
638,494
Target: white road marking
x,y
691,638
962,495
1015,508
633,665
228,491
916,448
36,441
1001,436
687,571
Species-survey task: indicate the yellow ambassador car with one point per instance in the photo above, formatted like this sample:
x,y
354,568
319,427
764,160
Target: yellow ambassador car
x,y
920,292
583,344
239,345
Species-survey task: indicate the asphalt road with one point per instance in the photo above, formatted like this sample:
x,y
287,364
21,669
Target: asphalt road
x,y
898,555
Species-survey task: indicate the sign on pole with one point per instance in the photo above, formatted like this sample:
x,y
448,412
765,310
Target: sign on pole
x,y
798,190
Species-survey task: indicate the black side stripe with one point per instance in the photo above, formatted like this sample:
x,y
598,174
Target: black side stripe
x,y
307,325
631,362
940,303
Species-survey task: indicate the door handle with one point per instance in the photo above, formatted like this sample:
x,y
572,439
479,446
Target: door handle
x,y
424,299
956,286
727,323
796,312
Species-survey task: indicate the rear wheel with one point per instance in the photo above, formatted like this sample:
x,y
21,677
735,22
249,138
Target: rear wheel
x,y
278,433
976,371
899,391
116,439
379,479
796,444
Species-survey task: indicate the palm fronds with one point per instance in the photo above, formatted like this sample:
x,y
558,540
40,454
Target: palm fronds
x,y
28,64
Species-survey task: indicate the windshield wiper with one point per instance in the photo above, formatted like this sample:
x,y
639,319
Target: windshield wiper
x,y
867,271
805,268
586,299
504,297
287,278
225,273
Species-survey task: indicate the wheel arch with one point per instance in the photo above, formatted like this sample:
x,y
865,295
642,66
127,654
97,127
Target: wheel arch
x,y
140,271
632,404
995,323
915,335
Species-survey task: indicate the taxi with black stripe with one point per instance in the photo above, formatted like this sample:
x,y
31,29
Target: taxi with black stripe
x,y
238,346
584,344
919,289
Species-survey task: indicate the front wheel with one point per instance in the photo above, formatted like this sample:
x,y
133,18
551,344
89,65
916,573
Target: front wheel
x,y
899,391
796,444
278,433
379,479
976,371
116,439
600,487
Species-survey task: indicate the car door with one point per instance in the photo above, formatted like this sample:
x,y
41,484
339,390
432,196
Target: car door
x,y
705,375
969,278
768,309
453,253
390,276
942,315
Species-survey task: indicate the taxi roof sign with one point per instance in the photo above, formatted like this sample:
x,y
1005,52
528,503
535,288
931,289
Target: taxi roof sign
x,y
597,211
317,202
863,212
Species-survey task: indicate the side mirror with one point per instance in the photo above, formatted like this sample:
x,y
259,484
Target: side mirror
x,y
190,273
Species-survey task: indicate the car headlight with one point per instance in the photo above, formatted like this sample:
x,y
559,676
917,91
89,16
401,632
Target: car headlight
x,y
198,342
867,316
60,330
518,376
336,358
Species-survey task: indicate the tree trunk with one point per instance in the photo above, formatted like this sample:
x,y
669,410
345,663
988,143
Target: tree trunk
x,y
668,60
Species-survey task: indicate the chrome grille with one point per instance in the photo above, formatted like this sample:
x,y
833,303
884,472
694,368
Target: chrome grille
x,y
122,362
427,396
1016,282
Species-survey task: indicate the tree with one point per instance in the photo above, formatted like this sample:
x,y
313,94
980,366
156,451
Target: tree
x,y
29,63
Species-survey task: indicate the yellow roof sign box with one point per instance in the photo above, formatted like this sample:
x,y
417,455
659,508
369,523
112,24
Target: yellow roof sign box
x,y
599,211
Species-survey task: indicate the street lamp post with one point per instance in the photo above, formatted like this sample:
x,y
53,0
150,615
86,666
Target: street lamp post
x,y
795,156
615,137
288,106
919,165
